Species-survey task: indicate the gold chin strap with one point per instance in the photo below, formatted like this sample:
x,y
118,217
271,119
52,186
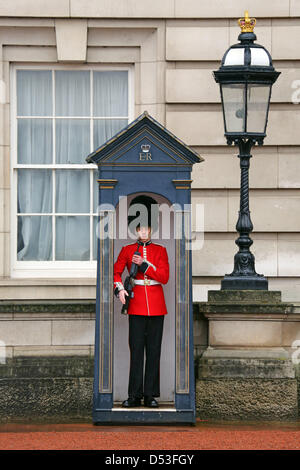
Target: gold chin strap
x,y
247,24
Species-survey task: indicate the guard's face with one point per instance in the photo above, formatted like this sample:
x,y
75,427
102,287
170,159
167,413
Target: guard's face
x,y
144,233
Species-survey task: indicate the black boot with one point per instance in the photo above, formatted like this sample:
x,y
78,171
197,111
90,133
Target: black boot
x,y
150,402
131,402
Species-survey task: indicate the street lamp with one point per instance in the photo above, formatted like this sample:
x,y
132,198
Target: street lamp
x,y
246,77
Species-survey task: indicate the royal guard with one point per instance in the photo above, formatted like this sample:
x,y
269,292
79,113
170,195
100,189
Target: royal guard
x,y
146,311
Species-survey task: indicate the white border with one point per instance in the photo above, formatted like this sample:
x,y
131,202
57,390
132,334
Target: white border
x,y
51,269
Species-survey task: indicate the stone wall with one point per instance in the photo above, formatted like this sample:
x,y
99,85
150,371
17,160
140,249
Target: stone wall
x,y
47,360
52,382
238,399
250,369
172,47
46,389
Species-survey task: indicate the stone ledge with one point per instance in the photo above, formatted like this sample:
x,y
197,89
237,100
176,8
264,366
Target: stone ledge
x,y
245,368
233,303
219,311
280,311
48,282
50,351
47,307
263,353
247,296
51,367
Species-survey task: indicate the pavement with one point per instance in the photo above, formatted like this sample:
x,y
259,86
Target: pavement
x,y
205,435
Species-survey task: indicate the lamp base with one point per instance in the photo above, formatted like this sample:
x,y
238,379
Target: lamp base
x,y
244,283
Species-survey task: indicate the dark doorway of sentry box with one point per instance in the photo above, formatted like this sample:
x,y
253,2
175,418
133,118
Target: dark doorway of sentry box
x,y
121,350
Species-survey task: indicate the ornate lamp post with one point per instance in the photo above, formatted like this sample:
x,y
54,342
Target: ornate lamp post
x,y
246,77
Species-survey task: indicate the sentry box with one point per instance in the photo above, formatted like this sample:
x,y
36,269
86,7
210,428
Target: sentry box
x,y
145,159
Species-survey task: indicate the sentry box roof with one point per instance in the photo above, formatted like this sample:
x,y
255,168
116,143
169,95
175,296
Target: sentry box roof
x,y
142,134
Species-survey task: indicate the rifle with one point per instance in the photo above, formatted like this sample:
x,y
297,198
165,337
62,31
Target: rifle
x,y
128,286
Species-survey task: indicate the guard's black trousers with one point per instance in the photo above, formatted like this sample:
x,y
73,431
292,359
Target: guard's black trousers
x,y
145,334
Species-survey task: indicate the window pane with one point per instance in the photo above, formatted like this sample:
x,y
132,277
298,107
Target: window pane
x,y
104,129
72,93
34,141
110,93
73,238
72,191
72,140
257,107
34,238
34,191
234,107
34,93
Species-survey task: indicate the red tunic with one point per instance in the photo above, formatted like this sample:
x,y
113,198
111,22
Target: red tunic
x,y
147,299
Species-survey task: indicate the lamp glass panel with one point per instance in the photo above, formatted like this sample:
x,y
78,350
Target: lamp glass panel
x,y
234,107
258,96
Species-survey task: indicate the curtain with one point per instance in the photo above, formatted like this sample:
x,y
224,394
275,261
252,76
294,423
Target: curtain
x,y
35,231
110,100
72,232
72,146
72,111
34,98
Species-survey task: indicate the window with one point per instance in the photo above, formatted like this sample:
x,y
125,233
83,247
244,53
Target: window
x,y
60,116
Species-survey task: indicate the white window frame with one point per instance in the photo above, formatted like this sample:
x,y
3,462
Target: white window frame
x,y
54,269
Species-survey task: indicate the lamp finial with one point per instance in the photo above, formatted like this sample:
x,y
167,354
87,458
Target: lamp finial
x,y
247,24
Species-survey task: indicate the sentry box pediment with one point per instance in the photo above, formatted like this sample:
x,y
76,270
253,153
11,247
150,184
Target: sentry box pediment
x,y
144,143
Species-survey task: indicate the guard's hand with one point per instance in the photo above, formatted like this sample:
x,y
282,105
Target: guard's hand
x,y
137,259
122,294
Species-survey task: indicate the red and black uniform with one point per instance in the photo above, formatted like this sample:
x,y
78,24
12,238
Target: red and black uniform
x,y
147,309
148,298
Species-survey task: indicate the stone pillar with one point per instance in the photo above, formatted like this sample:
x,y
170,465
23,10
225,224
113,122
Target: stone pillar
x,y
248,370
